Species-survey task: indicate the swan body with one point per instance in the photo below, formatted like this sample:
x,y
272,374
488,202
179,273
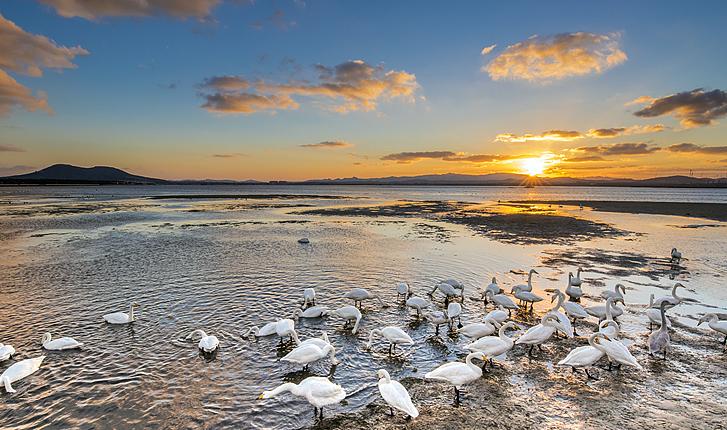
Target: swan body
x,y
457,373
618,293
311,312
529,285
121,317
526,296
6,351
309,297
20,370
493,346
654,315
584,356
601,312
539,334
59,344
492,288
349,313
307,353
497,315
437,318
266,330
454,311
394,335
448,290
207,343
562,318
320,341
417,303
575,280
715,324
502,301
659,341
454,283
618,353
395,395
478,330
358,295
672,300
403,290
283,328
318,391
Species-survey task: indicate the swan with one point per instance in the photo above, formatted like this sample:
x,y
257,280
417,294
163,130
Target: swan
x,y
394,335
20,370
497,315
402,289
618,293
448,290
349,313
538,334
283,328
574,291
584,356
503,301
676,256
493,288
454,310
454,283
715,324
360,294
6,351
659,340
478,330
320,341
310,352
562,318
417,303
601,312
654,315
575,280
572,309
309,297
457,373
618,353
311,312
672,300
266,330
207,343
609,328
121,317
395,395
529,285
59,344
437,318
526,296
493,346
318,391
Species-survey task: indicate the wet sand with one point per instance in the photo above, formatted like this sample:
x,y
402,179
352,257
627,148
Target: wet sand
x,y
713,211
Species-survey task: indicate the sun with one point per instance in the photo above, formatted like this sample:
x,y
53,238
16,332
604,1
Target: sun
x,y
533,166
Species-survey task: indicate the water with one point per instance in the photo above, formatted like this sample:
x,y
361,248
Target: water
x,y
71,254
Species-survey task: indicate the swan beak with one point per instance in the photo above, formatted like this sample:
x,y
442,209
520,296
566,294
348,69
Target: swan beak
x,y
261,396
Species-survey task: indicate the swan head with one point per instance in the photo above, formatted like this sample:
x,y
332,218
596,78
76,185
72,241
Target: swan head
x,y
679,284
135,305
705,318
383,374
621,287
494,280
297,313
46,338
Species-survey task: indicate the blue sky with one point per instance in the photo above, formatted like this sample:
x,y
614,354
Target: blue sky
x,y
135,100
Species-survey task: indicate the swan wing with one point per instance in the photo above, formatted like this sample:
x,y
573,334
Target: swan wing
x,y
397,397
62,343
209,343
535,334
117,318
321,392
303,354
618,352
581,357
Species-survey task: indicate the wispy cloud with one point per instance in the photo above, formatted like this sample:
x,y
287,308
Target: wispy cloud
x,y
545,59
410,157
604,133
487,49
229,155
10,148
693,108
620,149
550,135
690,147
328,144
95,9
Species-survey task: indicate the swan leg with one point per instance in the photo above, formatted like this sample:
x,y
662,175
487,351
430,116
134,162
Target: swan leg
x,y
589,375
321,416
456,396
724,342
390,345
530,351
391,411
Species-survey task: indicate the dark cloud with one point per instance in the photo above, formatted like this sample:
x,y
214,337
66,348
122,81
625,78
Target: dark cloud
x,y
690,147
247,103
619,149
95,9
693,108
328,144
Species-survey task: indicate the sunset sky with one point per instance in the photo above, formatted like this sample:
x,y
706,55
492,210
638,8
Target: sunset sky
x,y
305,89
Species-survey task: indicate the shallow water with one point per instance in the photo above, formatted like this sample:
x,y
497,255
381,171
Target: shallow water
x,y
71,254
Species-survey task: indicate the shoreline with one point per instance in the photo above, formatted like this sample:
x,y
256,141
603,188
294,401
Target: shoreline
x,y
712,211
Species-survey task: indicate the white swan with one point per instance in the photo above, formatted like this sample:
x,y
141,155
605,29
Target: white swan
x,y
676,256
493,346
493,288
478,330
349,313
572,310
575,280
6,351
403,290
207,343
417,303
715,324
584,356
394,335
618,353
529,285
654,315
59,344
311,312
320,341
454,311
618,293
310,352
502,301
562,318
309,297
457,373
448,290
526,296
121,317
358,295
497,315
20,370
601,311
318,391
539,334
672,300
395,395
283,328
437,318
266,330
659,341
609,328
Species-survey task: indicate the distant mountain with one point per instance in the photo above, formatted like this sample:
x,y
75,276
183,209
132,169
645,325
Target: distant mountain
x,y
67,174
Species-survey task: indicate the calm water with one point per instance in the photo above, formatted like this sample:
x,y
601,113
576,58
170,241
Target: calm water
x,y
71,254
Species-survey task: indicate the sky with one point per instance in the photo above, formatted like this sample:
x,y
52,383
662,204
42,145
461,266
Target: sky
x,y
303,89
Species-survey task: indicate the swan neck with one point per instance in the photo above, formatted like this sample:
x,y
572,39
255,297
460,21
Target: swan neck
x,y
288,386
131,313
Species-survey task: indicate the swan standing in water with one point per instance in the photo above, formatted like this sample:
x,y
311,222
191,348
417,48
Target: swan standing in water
x,y
395,395
310,352
618,293
502,301
654,315
448,290
283,328
659,341
20,370
394,335
309,297
417,303
676,256
457,373
59,344
403,290
311,312
672,300
585,356
574,290
602,312
539,334
493,288
572,309
6,351
575,280
715,324
562,318
525,297
437,318
121,317
358,295
207,343
318,391
349,313
478,330
497,315
454,310
493,346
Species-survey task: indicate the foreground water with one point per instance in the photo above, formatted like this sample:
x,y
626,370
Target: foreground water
x,y
70,255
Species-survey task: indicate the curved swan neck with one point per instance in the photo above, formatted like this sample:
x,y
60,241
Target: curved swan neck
x,y
385,375
253,330
371,336
469,362
199,332
46,338
674,291
609,313
355,326
591,340
288,386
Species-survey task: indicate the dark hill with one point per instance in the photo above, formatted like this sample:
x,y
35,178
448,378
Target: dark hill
x,y
67,174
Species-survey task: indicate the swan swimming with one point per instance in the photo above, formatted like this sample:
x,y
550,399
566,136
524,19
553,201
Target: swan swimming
x,y
394,335
584,356
318,391
654,315
493,346
311,312
618,293
417,303
395,395
349,313
309,297
121,317
457,373
715,324
20,370
6,351
539,334
207,343
59,344
360,294
659,341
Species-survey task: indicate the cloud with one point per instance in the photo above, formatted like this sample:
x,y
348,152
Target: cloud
x,y
328,144
625,131
95,9
690,147
619,149
487,49
551,135
350,86
548,58
409,157
693,108
28,53
12,94
15,170
226,83
229,155
585,159
10,148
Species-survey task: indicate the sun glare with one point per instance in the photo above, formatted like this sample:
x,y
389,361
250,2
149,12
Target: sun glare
x,y
533,166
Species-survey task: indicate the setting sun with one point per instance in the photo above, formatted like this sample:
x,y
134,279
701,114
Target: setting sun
x,y
533,166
